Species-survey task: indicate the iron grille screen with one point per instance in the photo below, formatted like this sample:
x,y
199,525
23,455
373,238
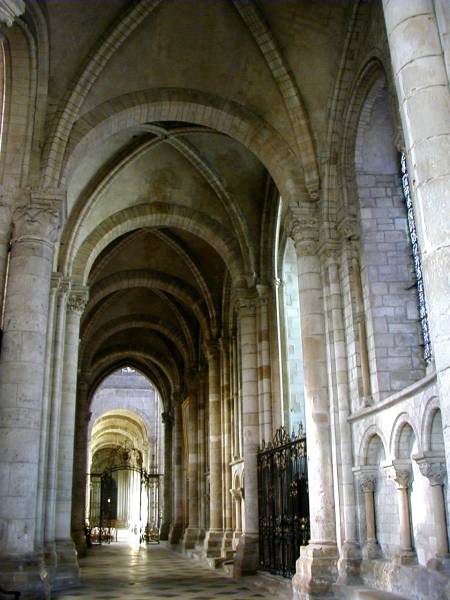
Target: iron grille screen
x,y
283,502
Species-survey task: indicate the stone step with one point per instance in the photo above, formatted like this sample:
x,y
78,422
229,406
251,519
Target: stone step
x,y
364,593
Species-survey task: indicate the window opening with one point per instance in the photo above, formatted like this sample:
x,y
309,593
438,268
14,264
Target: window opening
x,y
423,315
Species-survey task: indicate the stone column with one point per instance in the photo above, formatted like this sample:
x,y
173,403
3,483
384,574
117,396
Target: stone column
x,y
22,365
400,473
54,392
247,551
80,465
368,482
167,418
424,98
6,205
235,398
264,370
433,469
316,567
10,10
225,348
201,452
350,554
67,571
45,427
176,530
214,535
191,534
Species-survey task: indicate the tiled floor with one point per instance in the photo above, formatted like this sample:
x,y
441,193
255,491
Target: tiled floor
x,y
153,573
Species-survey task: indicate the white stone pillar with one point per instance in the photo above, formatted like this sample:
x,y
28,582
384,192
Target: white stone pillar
x,y
6,205
176,530
45,430
54,392
316,567
247,553
167,419
424,99
67,571
201,452
22,366
350,554
10,10
214,535
191,533
80,465
400,472
225,349
367,481
433,469
264,370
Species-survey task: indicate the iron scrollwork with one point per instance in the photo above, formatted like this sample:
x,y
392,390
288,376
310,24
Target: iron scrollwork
x,y
283,501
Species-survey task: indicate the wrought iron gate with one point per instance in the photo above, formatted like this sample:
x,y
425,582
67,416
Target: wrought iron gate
x,y
283,502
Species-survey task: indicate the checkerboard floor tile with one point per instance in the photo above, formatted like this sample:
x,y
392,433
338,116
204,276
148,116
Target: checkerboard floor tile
x,y
117,571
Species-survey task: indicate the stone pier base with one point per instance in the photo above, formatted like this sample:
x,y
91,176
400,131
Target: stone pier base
x,y
190,538
349,564
27,575
213,543
67,569
247,555
316,572
176,533
50,559
227,550
165,531
79,540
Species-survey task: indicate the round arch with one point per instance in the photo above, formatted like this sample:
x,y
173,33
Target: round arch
x,y
149,370
79,261
188,106
147,278
133,322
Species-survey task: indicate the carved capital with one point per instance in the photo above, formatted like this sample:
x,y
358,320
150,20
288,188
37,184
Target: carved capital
x,y
6,209
78,298
305,237
245,302
212,349
38,215
431,467
368,485
347,229
263,294
237,493
399,474
329,252
10,10
277,282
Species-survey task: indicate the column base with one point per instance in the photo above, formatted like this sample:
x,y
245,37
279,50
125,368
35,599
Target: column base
x,y
316,571
79,539
246,561
176,533
67,568
227,550
349,564
190,538
441,563
236,538
27,575
213,543
405,558
371,551
50,559
164,531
